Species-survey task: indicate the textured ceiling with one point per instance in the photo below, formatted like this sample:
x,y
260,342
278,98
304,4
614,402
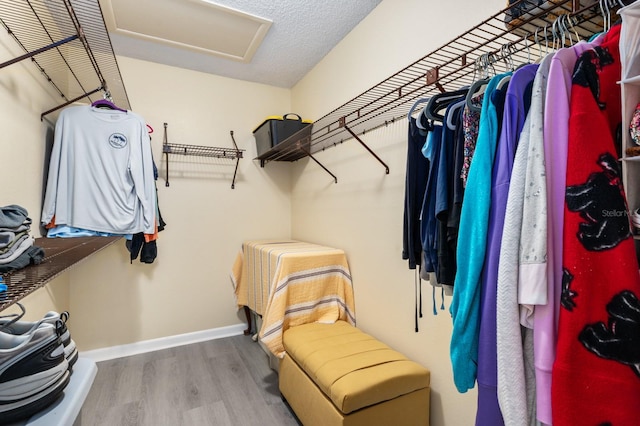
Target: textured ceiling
x,y
301,34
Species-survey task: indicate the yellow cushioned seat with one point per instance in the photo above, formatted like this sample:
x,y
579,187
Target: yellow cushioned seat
x,y
353,369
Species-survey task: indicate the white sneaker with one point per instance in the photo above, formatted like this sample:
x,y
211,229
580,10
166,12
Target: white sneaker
x,y
13,326
33,371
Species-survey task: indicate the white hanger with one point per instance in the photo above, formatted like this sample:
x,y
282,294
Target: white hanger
x,y
554,34
569,19
506,52
535,40
614,3
415,104
606,14
503,82
478,86
526,43
450,124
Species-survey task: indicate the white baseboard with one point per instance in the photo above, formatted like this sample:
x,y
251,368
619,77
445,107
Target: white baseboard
x,y
114,352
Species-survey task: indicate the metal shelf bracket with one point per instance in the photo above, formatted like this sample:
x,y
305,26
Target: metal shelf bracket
x,y
367,148
335,179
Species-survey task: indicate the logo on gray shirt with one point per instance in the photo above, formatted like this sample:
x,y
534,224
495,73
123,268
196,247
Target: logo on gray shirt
x,y
118,140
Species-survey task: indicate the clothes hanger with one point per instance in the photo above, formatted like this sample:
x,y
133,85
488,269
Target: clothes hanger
x,y
546,40
478,86
504,81
476,89
513,51
605,15
106,103
441,101
555,44
562,37
452,112
569,27
617,5
537,42
415,104
422,122
505,51
419,123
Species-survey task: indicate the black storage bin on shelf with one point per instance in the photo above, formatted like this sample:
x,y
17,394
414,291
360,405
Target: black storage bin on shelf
x,y
276,129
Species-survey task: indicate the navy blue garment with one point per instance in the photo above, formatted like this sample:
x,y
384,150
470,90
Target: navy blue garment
x,y
456,193
445,270
415,185
428,222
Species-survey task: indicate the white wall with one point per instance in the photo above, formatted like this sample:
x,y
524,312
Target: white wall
x,y
188,287
363,213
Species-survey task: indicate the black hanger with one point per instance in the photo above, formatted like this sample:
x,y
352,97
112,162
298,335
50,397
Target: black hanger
x,y
476,87
104,103
440,102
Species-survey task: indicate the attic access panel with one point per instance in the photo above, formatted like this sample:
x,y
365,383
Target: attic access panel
x,y
198,25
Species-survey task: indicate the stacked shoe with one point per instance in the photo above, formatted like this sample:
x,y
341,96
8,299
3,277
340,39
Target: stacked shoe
x,y
16,327
33,371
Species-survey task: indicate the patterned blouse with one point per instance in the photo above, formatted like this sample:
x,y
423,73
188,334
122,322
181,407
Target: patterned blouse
x,y
470,124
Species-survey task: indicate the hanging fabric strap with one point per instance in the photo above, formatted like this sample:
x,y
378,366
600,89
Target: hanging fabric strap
x,y
420,288
416,286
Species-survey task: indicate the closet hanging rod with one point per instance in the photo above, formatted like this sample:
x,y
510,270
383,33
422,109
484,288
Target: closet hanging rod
x,y
37,51
69,102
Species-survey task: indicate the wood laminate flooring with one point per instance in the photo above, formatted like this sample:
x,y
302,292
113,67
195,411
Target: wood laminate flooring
x,y
219,382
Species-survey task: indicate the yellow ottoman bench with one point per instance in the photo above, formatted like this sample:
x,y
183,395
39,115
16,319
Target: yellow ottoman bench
x,y
334,374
